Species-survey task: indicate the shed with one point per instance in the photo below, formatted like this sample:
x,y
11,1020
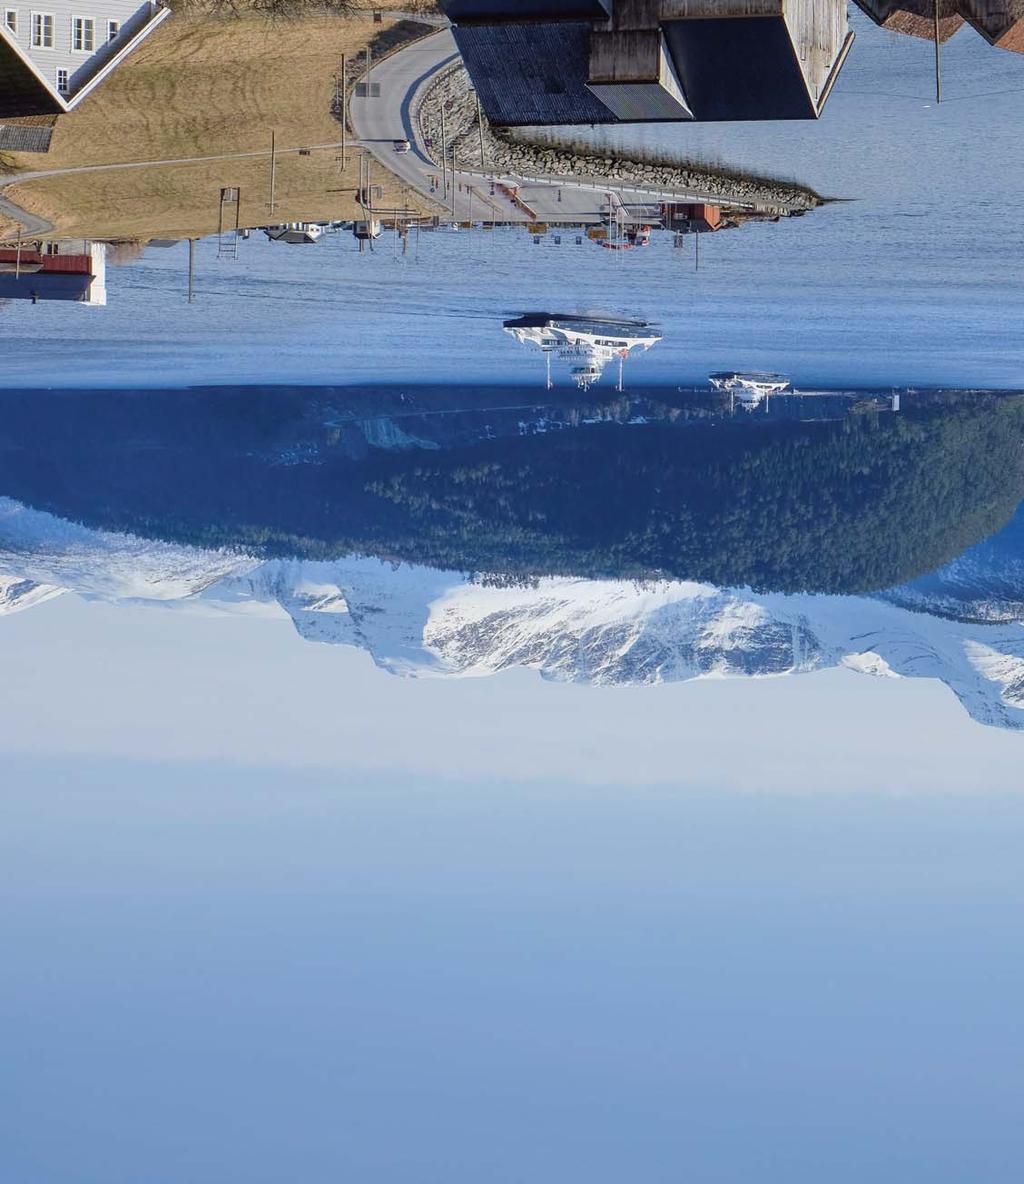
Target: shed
x,y
31,274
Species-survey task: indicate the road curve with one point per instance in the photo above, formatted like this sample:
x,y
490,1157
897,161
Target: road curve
x,y
379,122
31,224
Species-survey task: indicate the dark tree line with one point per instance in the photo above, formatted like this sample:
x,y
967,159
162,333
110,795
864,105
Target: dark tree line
x,y
839,506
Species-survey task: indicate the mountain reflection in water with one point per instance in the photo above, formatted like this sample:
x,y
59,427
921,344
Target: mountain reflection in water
x,y
641,538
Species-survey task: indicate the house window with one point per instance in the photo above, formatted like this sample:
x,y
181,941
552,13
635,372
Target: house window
x,y
42,30
11,19
62,82
113,28
83,34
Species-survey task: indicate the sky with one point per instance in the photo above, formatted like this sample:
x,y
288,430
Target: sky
x,y
269,913
222,973
120,683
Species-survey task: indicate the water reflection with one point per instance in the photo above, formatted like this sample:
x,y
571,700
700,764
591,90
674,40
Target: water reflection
x,y
597,537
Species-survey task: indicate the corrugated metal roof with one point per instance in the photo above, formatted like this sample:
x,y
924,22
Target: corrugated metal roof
x,y
17,137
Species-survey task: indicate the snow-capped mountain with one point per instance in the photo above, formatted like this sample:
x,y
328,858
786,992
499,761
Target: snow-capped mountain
x,y
17,593
418,622
985,583
39,551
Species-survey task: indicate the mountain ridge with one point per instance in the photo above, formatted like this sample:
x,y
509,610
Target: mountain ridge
x,y
421,622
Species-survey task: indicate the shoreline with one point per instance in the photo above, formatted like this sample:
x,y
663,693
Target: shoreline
x,y
505,150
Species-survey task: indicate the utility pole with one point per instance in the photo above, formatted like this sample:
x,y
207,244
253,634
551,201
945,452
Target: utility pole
x,y
344,113
480,128
938,64
273,171
696,248
453,181
191,270
444,157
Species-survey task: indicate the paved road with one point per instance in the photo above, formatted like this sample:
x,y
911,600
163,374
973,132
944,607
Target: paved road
x,y
378,122
31,224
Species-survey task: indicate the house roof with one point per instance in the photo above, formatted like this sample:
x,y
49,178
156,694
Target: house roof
x,y
51,264
27,133
1000,22
915,25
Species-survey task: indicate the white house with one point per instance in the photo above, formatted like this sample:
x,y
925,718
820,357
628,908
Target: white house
x,y
55,52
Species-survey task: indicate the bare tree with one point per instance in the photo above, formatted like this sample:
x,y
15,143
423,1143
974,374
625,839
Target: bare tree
x,y
274,9
124,251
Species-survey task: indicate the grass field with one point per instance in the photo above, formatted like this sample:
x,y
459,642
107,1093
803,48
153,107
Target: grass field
x,y
206,85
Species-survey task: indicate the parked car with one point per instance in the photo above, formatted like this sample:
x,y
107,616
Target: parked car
x,y
402,146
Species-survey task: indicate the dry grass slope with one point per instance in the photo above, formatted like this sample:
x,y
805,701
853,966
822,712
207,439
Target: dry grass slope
x,y
206,85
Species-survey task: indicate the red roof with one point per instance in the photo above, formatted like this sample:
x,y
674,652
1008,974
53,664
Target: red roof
x,y
59,264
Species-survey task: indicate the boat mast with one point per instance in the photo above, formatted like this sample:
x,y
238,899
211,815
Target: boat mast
x,y
938,69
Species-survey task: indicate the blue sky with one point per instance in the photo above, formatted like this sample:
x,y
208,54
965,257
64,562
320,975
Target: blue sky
x,y
215,973
114,683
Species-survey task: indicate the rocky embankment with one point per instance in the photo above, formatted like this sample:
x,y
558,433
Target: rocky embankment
x,y
506,152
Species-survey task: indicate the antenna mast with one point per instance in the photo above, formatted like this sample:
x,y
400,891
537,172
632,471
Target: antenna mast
x,y
938,64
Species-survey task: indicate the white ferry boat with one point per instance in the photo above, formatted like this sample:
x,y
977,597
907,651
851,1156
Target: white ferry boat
x,y
588,344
